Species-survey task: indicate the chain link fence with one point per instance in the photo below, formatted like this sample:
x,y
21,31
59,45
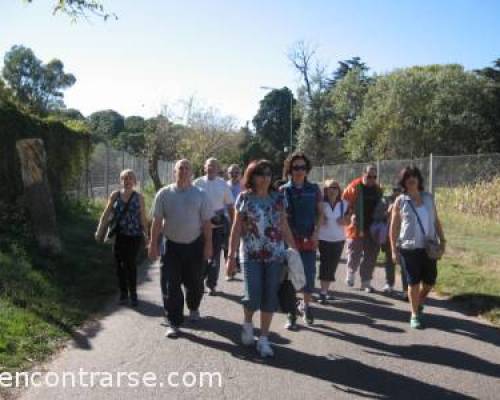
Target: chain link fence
x,y
438,171
101,174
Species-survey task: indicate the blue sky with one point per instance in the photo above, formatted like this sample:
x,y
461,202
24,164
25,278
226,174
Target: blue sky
x,y
160,51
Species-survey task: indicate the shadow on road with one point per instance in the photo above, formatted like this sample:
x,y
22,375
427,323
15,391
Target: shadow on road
x,y
344,374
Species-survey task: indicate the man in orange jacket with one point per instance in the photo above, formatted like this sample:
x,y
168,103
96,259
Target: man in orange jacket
x,y
362,194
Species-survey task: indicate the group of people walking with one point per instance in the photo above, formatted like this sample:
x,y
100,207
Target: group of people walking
x,y
256,223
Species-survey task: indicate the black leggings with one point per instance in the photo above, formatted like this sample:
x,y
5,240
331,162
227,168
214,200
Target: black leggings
x,y
125,250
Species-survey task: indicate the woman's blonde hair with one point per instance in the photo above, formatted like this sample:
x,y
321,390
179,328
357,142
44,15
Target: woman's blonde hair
x,y
328,183
128,172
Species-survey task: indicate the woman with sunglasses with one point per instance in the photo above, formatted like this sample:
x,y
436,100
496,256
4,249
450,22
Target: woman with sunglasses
x,y
260,223
414,222
331,236
303,199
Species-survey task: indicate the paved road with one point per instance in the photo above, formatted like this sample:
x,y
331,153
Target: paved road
x,y
360,347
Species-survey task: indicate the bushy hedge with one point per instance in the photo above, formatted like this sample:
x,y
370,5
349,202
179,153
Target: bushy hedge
x,y
66,149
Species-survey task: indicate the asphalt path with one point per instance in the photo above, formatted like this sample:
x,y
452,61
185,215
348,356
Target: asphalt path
x,y
361,346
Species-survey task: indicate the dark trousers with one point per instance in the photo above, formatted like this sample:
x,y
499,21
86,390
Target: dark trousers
x,y
212,267
390,268
125,250
182,264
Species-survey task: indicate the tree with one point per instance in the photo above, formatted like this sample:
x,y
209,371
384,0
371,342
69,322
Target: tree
x,y
105,125
314,136
346,66
209,134
420,110
272,124
36,85
80,8
493,112
162,139
133,137
346,98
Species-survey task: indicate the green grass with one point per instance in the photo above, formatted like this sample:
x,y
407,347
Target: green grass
x,y
42,300
470,270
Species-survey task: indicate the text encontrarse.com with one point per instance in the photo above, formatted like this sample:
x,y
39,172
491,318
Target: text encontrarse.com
x,y
115,379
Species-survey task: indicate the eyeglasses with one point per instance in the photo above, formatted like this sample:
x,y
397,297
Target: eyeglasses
x,y
299,168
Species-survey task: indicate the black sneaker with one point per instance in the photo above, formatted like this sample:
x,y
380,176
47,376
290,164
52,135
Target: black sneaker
x,y
308,316
123,299
291,323
322,298
212,292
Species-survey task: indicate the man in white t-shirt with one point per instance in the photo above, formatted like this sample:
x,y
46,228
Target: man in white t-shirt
x,y
221,199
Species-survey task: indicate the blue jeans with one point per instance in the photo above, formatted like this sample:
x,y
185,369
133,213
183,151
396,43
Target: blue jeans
x,y
262,282
309,261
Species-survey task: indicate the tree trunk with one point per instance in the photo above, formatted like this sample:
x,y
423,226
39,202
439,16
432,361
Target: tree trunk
x,y
153,170
37,197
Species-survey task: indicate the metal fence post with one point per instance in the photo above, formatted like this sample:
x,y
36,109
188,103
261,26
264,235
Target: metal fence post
x,y
379,173
106,172
431,174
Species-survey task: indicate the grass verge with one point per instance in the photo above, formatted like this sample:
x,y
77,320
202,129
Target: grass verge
x,y
470,271
43,300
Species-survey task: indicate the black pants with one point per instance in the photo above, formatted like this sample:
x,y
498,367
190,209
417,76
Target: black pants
x,y
212,268
182,264
125,250
329,257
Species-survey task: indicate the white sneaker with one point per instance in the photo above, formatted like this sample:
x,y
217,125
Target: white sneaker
x,y
172,332
247,337
264,347
350,279
367,287
387,288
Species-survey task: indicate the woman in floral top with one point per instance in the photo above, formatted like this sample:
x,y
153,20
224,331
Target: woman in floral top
x,y
260,228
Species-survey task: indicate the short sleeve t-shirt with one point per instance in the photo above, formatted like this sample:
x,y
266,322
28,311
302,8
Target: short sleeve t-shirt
x,y
184,211
261,237
330,230
217,190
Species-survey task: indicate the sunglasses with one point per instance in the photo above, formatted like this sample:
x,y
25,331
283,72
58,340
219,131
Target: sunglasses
x,y
264,173
299,168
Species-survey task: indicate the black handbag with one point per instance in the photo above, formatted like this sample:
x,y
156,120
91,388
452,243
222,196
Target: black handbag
x,y
114,225
287,297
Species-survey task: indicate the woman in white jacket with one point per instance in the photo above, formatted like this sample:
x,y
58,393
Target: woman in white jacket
x,y
331,236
